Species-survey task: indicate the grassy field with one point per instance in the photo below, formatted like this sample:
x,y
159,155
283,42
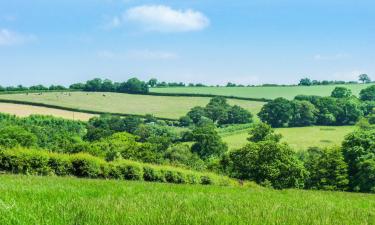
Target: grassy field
x,y
299,138
262,92
27,110
161,106
53,200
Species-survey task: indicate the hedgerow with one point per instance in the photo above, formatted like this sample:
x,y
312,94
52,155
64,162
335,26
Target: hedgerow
x,y
40,162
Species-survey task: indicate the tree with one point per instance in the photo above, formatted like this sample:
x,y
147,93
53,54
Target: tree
x,y
217,109
327,169
237,115
263,132
196,114
12,136
208,142
268,162
93,85
349,111
181,154
364,78
359,154
368,94
134,86
277,113
152,82
303,113
341,92
305,82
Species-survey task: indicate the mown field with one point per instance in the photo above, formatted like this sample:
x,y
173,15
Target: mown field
x,y
160,106
53,200
27,110
299,138
262,92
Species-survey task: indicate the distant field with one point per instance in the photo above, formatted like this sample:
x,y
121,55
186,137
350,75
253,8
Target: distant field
x,y
161,106
27,110
299,138
262,92
60,201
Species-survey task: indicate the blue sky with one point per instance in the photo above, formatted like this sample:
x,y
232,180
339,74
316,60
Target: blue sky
x,y
243,41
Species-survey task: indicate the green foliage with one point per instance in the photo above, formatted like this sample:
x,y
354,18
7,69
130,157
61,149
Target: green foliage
x,y
267,162
341,92
132,86
327,169
303,114
263,132
368,94
181,155
364,78
359,154
37,162
208,143
277,113
12,136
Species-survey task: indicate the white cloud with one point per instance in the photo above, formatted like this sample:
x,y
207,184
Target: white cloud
x,y
337,56
162,18
8,38
137,55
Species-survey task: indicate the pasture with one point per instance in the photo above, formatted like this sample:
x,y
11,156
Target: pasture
x,y
160,106
299,138
58,201
288,92
27,110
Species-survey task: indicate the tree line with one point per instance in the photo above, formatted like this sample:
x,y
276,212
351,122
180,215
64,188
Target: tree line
x,y
341,108
364,78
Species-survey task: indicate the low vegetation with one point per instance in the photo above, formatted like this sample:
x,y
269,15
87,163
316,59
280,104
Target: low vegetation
x,y
82,201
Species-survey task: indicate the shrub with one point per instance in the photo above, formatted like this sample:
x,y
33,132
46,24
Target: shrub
x,y
60,164
85,165
129,170
153,175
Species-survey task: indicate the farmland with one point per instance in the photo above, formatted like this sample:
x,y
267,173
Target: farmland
x,y
80,201
288,92
160,106
299,138
27,110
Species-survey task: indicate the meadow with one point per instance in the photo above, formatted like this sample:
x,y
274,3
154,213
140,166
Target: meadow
x,y
160,106
288,92
299,138
56,200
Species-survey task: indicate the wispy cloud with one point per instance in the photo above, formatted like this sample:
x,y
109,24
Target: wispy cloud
x,y
138,55
9,38
161,18
338,56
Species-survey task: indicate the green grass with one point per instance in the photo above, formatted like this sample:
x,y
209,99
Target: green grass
x,y
160,106
58,201
299,138
262,92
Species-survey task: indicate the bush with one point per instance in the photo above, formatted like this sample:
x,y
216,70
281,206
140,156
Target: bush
x,y
129,170
60,164
85,165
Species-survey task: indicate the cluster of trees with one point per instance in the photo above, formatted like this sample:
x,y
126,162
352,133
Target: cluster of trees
x,y
341,108
271,163
364,78
132,86
33,88
217,111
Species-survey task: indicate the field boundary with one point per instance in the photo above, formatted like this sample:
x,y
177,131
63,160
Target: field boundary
x,y
78,110
207,95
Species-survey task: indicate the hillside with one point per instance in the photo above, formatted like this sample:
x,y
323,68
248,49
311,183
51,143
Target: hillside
x,y
160,106
288,92
81,201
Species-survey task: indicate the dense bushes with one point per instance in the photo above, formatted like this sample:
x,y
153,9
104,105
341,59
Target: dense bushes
x,y
38,162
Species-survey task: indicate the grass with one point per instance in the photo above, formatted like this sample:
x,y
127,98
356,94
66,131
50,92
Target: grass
x,y
288,92
299,138
53,200
160,106
27,110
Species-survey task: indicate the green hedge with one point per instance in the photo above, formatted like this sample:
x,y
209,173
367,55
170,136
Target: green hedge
x,y
207,95
39,162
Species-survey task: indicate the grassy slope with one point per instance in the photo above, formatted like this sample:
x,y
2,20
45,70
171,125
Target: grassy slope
x,y
52,200
161,106
299,138
27,110
262,92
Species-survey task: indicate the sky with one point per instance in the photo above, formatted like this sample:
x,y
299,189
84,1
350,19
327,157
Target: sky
x,y
208,41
